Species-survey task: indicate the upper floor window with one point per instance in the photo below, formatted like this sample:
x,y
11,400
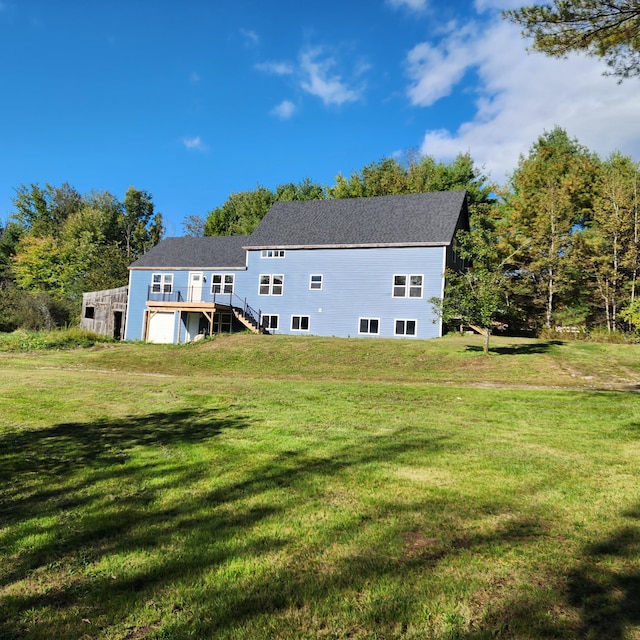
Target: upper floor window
x,y
271,285
315,282
272,253
222,282
407,286
162,283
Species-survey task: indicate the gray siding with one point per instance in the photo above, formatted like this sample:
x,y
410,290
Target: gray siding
x,y
104,312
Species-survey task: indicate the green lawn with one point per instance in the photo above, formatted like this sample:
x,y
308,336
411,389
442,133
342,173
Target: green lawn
x,y
273,487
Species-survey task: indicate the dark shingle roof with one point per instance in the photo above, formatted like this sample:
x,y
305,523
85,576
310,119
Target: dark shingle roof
x,y
219,252
413,219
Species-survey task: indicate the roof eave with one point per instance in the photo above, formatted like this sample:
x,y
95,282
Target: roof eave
x,y
372,245
183,268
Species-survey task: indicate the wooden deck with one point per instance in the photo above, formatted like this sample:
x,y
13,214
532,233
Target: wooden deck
x,y
204,307
208,309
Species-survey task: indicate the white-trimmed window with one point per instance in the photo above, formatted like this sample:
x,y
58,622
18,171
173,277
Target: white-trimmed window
x,y
315,281
222,282
271,285
406,327
407,286
270,321
272,253
299,323
370,326
162,283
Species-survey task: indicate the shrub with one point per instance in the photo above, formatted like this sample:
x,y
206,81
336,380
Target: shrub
x,y
74,338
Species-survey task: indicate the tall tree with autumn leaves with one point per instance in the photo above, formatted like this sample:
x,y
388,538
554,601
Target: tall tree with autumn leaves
x,y
59,244
548,200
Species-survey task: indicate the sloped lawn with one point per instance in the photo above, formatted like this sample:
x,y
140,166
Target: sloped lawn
x,y
208,496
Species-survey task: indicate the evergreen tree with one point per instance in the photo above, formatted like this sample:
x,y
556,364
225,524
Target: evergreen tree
x,y
607,29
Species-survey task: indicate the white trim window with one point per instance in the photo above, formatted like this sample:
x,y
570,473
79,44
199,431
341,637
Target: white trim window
x,y
271,285
222,282
369,326
272,253
407,286
406,327
162,283
299,323
315,281
270,321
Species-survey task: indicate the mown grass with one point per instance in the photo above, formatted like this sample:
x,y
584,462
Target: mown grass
x,y
254,487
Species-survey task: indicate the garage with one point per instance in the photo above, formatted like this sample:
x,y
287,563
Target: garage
x,y
161,327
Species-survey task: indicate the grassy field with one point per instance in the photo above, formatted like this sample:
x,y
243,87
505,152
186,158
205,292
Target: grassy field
x,y
276,487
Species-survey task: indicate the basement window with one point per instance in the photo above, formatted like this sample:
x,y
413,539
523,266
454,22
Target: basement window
x,y
406,327
370,326
299,323
270,321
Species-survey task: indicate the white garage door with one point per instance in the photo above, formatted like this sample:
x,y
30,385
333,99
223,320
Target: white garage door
x,y
161,327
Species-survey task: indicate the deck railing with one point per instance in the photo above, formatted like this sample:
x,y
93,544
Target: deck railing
x,y
186,294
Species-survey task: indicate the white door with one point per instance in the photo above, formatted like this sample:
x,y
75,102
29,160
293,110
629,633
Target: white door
x,y
195,286
193,325
161,327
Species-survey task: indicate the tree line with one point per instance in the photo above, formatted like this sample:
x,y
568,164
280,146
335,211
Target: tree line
x,y
58,244
558,249
557,245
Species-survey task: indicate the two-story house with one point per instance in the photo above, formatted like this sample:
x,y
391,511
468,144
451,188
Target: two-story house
x,y
354,267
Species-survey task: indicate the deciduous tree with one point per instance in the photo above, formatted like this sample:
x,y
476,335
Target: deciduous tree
x,y
240,213
611,238
141,225
476,294
43,211
549,199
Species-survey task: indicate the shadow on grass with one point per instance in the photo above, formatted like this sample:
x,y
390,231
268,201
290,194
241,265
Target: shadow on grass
x,y
606,586
599,599
103,522
520,349
114,524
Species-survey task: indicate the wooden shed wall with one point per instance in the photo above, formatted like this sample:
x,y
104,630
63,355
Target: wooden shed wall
x,y
104,312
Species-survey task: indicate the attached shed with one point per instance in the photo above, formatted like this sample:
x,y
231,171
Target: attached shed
x,y
104,312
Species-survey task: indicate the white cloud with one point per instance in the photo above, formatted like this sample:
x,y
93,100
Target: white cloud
x,y
483,5
194,78
284,110
414,5
194,143
251,38
436,70
319,82
275,68
519,96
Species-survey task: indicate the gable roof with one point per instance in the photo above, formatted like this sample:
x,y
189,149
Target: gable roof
x,y
210,252
401,220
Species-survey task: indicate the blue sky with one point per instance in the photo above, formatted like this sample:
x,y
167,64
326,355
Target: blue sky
x,y
196,99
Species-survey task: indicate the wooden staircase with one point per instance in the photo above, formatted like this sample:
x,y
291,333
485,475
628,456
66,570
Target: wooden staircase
x,y
248,320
